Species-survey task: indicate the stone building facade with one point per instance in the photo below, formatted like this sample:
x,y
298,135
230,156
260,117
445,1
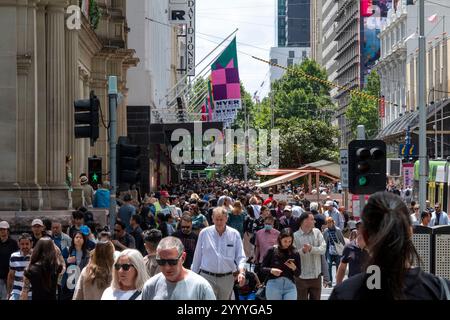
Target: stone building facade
x,y
45,67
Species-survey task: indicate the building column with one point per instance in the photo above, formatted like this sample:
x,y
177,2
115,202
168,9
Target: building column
x,y
27,107
74,146
56,106
41,58
9,188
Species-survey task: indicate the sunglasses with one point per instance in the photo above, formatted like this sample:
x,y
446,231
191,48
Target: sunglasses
x,y
124,266
170,262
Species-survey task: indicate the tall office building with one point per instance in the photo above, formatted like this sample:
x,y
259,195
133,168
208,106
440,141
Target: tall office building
x,y
292,35
316,31
328,46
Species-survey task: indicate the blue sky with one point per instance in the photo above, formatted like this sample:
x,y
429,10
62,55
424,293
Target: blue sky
x,y
216,19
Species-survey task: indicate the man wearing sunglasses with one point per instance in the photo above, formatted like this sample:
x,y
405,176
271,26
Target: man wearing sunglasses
x,y
188,238
438,217
175,282
219,250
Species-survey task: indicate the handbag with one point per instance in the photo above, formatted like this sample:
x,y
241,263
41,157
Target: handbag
x,y
339,248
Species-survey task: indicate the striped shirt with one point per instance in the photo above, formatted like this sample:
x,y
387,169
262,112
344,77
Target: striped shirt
x,y
18,262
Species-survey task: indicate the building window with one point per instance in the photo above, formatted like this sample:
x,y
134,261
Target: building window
x,y
290,62
304,54
291,54
275,61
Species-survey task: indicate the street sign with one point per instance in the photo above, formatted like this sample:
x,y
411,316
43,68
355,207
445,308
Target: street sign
x,y
407,150
344,168
408,175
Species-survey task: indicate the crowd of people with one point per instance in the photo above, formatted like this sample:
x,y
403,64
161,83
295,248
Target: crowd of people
x,y
196,240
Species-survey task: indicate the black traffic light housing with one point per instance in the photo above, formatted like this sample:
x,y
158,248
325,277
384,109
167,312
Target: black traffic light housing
x,y
128,163
87,118
95,171
367,166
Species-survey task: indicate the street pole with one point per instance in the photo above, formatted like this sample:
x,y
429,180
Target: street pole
x,y
361,135
422,111
246,143
112,98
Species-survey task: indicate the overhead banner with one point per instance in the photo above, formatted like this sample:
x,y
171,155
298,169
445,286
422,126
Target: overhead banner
x,y
226,85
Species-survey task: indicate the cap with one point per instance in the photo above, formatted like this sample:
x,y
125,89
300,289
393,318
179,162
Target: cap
x,y
85,230
329,203
37,222
164,194
287,208
4,225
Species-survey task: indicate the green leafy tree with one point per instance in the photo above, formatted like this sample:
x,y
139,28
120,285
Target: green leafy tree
x,y
363,110
304,141
297,95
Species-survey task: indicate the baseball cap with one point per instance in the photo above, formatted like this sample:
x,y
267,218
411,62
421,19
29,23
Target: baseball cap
x,y
85,230
37,222
287,208
4,225
164,194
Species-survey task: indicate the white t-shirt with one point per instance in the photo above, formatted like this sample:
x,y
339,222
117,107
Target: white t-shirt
x,y
116,294
193,287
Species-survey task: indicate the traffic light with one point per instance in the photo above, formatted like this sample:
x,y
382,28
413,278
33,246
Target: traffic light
x,y
86,118
128,163
95,171
366,166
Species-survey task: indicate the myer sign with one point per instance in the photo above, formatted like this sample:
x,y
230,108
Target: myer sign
x,y
182,12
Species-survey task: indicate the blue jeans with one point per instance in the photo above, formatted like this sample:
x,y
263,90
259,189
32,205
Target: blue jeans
x,y
281,289
250,296
330,259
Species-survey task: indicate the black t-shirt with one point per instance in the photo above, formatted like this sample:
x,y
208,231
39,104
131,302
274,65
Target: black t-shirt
x,y
275,258
41,290
355,257
419,285
190,242
7,248
139,240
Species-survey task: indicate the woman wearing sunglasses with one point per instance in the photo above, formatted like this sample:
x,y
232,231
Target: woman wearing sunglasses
x,y
128,278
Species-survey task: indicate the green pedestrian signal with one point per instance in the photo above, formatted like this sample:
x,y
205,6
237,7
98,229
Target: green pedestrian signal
x,y
95,171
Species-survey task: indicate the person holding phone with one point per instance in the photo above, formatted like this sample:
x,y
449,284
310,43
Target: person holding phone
x,y
281,264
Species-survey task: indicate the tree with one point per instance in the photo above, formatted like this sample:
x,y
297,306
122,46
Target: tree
x,y
304,141
363,110
297,95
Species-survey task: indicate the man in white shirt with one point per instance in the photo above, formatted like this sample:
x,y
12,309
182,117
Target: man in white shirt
x,y
311,245
219,250
175,282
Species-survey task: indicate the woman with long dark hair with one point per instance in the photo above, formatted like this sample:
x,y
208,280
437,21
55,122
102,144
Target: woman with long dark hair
x,y
76,258
281,264
387,232
42,272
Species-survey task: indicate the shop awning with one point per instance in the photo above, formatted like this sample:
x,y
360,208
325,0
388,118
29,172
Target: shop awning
x,y
282,179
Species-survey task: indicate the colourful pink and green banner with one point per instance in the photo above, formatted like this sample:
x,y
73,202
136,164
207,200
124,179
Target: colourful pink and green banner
x,y
226,86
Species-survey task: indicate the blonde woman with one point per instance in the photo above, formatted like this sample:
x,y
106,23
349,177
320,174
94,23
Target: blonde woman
x,y
128,278
97,275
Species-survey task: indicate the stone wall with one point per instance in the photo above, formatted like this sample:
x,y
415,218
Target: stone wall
x,y
20,221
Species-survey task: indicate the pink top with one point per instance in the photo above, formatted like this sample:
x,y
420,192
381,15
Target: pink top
x,y
265,239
